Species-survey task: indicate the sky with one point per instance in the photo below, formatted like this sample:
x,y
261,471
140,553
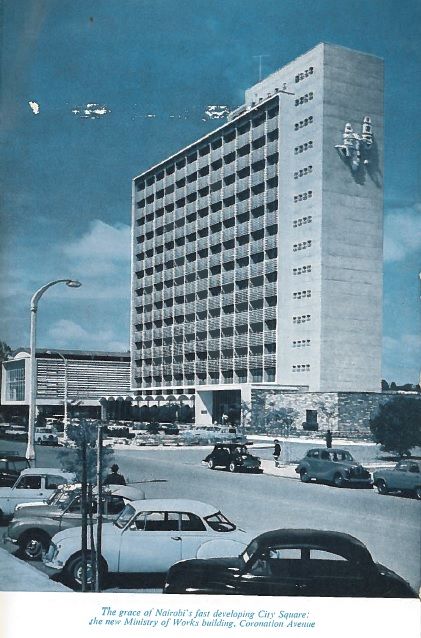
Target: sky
x,y
93,92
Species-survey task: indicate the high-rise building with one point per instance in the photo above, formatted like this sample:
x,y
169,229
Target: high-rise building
x,y
257,249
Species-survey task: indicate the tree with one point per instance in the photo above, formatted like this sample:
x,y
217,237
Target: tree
x,y
71,460
280,420
329,411
385,385
396,425
245,415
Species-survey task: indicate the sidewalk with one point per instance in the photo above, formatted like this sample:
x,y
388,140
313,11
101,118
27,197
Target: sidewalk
x,y
22,576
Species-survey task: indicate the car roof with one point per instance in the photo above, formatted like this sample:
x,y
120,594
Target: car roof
x,y
175,505
12,457
328,449
127,491
344,544
47,470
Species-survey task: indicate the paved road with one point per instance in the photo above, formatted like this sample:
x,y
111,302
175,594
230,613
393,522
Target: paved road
x,y
388,525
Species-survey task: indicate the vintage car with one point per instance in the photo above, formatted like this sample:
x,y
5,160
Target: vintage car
x,y
34,524
148,537
291,562
45,436
333,465
232,456
405,477
11,465
33,484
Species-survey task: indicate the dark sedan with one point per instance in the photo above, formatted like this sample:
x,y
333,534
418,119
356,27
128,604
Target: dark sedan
x,y
233,456
11,465
291,562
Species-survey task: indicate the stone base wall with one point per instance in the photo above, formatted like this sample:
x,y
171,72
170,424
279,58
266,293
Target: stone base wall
x,y
344,412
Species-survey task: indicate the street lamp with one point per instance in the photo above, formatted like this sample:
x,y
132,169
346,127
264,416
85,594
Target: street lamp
x,y
30,450
65,437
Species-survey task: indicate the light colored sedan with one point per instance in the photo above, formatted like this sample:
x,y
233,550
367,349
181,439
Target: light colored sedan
x,y
34,524
33,484
149,536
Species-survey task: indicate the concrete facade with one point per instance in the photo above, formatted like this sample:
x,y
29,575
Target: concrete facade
x,y
257,250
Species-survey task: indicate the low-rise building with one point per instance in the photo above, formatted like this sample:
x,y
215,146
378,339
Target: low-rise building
x,y
96,384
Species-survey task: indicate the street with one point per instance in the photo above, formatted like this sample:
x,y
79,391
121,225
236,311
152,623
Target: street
x,y
388,525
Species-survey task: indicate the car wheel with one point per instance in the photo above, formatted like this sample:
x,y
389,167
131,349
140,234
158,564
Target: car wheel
x,y
417,492
232,467
211,464
304,477
32,544
338,480
381,487
73,571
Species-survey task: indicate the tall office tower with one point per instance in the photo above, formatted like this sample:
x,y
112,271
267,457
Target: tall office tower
x,y
257,250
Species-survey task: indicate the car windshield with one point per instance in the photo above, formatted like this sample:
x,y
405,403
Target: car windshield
x,y
219,523
249,551
61,498
125,516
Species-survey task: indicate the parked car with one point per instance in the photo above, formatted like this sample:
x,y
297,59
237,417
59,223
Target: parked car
x,y
333,466
291,562
33,525
45,436
15,432
149,536
233,457
34,484
405,477
11,465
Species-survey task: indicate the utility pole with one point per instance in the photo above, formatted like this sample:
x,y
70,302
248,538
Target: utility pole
x,y
93,561
83,504
98,583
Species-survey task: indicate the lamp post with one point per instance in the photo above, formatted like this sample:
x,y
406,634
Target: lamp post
x,y
65,361
30,450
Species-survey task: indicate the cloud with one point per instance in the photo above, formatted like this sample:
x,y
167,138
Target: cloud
x,y
68,333
102,250
402,233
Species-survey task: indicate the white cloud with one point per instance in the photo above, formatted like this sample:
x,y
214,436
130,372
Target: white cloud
x,y
402,233
103,249
68,333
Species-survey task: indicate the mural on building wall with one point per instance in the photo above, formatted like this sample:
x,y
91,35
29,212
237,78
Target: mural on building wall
x,y
356,148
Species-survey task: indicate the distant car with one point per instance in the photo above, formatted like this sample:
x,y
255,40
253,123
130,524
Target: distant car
x,y
34,484
45,436
34,524
11,465
333,465
233,457
16,432
149,536
291,562
405,477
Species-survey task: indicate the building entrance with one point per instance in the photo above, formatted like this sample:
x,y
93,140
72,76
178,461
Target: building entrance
x,y
227,406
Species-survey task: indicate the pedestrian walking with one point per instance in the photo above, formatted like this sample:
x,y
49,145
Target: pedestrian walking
x,y
277,452
329,439
114,478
